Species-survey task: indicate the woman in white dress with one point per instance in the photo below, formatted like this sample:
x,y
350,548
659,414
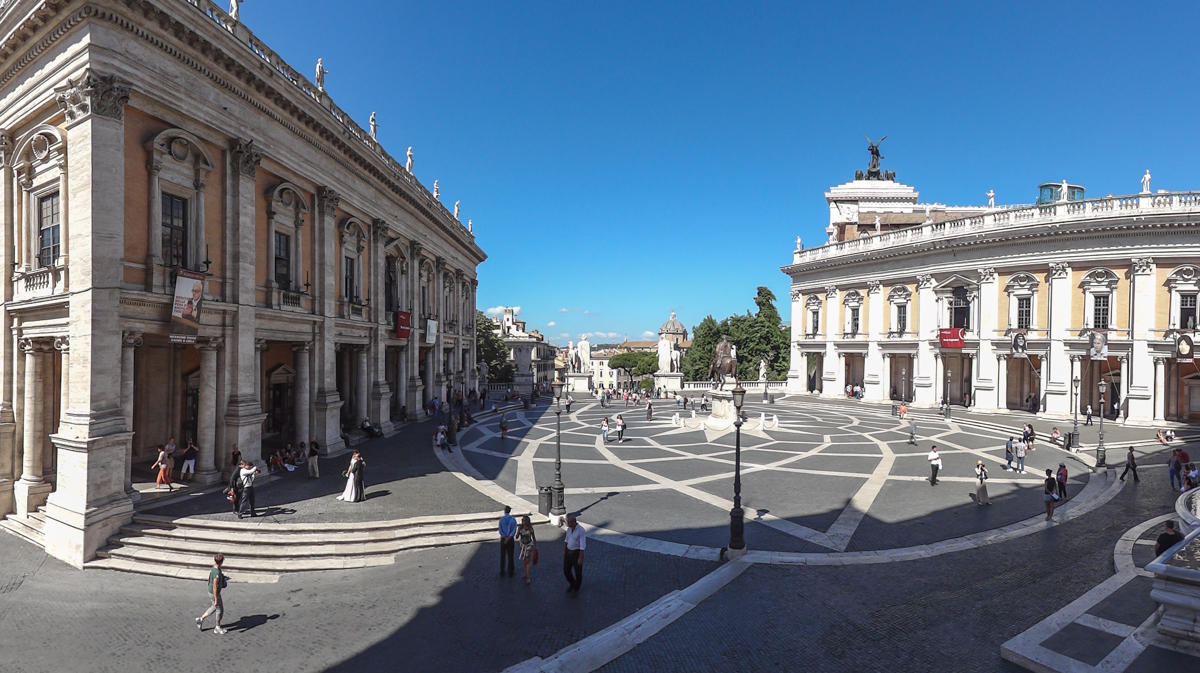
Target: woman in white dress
x,y
354,491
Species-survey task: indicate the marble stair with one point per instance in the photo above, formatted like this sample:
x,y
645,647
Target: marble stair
x,y
31,528
260,550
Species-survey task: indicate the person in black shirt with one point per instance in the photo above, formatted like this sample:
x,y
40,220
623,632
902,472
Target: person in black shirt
x,y
1168,539
188,471
314,451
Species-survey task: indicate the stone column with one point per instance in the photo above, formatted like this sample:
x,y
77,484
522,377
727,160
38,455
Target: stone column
x,y
130,342
1001,382
885,376
361,385
206,412
833,360
1139,391
985,381
438,300
327,405
154,273
1057,368
926,370
1160,390
300,360
1123,409
31,491
8,351
875,378
89,502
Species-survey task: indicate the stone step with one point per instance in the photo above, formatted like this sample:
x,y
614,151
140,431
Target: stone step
x,y
181,572
307,550
32,530
267,536
199,558
261,523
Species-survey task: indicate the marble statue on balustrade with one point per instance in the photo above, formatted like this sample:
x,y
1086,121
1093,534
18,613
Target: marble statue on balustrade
x,y
991,198
408,165
483,372
470,226
1146,182
374,126
1065,191
321,72
436,191
762,369
799,244
877,227
234,9
456,209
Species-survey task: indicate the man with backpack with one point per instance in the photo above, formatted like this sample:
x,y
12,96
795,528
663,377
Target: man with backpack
x,y
216,582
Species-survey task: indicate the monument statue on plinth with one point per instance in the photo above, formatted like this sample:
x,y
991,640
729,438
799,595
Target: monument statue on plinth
x,y
585,355
665,348
762,369
724,363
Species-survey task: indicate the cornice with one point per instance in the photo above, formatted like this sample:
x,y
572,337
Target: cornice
x,y
324,137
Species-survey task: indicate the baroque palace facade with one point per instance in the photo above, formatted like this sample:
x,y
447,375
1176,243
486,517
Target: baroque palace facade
x,y
1002,308
146,144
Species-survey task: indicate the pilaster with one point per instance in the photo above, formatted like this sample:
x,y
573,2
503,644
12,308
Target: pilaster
x,y
986,371
1139,397
924,378
1056,392
874,377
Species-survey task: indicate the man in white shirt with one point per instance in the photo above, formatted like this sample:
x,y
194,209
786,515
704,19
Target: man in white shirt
x,y
574,544
935,464
247,472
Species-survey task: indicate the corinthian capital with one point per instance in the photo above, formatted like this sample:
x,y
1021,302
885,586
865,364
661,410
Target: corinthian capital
x,y
246,157
92,94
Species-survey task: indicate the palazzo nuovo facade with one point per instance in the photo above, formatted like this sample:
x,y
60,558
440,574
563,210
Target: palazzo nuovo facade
x,y
1002,308
140,140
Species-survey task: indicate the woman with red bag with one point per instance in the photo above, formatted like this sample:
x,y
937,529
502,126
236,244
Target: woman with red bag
x,y
529,553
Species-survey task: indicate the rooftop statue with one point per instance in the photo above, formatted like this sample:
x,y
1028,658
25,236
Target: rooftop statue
x,y
873,172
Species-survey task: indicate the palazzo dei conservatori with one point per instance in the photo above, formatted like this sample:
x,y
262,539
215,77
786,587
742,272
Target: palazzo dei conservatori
x,y
199,243
1023,309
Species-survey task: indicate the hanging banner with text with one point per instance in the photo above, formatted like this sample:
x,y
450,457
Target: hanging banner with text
x,y
403,324
952,337
1184,347
430,331
185,310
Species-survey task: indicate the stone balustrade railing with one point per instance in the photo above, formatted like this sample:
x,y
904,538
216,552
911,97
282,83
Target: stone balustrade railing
x,y
219,16
1062,212
1187,506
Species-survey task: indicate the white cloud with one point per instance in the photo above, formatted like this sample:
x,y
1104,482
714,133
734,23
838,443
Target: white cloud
x,y
551,324
604,335
647,334
564,310
497,311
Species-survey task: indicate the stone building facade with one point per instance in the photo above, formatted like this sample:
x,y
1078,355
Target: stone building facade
x,y
1003,308
142,139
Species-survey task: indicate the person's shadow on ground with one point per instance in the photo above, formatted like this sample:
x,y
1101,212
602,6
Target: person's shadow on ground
x,y
250,621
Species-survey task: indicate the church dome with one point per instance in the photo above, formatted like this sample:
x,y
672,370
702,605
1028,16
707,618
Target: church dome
x,y
672,326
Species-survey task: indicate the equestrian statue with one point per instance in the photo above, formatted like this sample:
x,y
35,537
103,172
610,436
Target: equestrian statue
x,y
724,363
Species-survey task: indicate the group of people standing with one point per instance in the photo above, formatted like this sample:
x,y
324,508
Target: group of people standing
x,y
513,535
165,464
620,427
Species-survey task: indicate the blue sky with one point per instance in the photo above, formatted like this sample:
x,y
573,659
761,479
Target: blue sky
x,y
621,160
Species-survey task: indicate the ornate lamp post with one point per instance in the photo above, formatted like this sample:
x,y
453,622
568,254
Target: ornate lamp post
x,y
1075,423
903,385
946,394
1100,445
737,539
559,507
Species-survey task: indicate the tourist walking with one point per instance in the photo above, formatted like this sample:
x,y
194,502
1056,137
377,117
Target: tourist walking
x,y
314,453
620,429
235,459
508,532
1088,420
1060,479
1130,464
163,464
170,449
1174,467
504,425
903,410
234,492
573,546
528,542
1049,494
189,463
1020,448
216,583
247,474
649,410
935,464
354,491
569,401
981,476
604,429
1008,455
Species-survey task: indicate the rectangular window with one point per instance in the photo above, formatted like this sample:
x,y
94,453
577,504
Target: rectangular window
x,y
1100,311
351,288
1024,312
174,231
854,320
901,318
816,322
960,312
48,218
1187,311
424,301
283,261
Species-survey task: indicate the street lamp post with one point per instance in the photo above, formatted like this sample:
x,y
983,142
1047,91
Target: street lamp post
x,y
946,394
560,501
1075,423
1100,445
737,539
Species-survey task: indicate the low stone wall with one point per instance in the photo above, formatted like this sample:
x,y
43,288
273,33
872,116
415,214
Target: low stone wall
x,y
1177,588
1187,506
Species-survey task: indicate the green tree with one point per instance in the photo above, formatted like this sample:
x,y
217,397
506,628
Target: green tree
x,y
634,364
492,350
757,336
705,337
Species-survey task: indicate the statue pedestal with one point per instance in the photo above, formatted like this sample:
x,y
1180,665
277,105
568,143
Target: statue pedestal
x,y
523,385
578,383
669,381
723,411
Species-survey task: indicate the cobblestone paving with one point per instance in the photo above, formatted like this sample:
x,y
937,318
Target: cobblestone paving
x,y
947,613
435,610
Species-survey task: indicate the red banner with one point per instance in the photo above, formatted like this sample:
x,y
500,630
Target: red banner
x,y
403,324
951,337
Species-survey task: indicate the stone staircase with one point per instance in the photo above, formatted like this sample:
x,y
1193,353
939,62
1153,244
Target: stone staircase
x,y
31,528
261,551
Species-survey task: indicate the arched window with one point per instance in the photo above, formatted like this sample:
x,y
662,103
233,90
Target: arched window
x,y
853,302
1022,289
286,210
353,239
179,165
1099,289
39,171
899,298
813,306
1184,284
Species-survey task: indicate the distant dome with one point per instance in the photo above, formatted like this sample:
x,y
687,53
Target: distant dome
x,y
673,326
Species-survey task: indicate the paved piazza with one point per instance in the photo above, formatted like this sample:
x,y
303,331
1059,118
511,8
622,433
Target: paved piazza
x,y
828,476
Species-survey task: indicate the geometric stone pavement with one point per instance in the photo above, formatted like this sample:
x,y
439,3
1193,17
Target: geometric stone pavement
x,y
817,476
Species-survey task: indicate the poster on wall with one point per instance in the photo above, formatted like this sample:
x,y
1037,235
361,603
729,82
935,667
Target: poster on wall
x,y
430,331
1184,345
1098,345
403,324
1020,345
185,310
952,337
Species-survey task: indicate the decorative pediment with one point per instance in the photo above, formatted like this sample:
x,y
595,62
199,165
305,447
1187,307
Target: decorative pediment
x,y
43,144
286,199
899,294
1026,282
1186,274
853,298
1100,278
353,233
813,301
